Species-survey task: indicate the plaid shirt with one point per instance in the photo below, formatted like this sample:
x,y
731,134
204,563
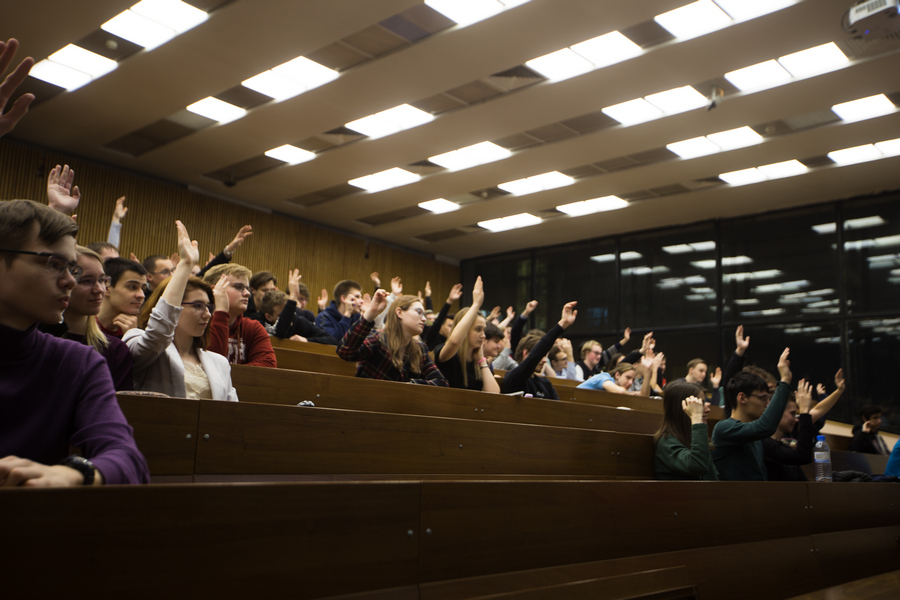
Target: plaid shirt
x,y
359,344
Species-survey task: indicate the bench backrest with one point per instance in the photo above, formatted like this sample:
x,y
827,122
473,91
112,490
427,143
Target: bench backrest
x,y
319,363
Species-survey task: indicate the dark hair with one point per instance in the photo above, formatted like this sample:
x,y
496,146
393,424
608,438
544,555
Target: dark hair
x,y
270,300
17,216
867,410
553,352
526,343
675,422
150,262
99,247
343,288
537,332
613,362
695,362
261,278
765,375
116,267
743,382
492,332
194,283
302,289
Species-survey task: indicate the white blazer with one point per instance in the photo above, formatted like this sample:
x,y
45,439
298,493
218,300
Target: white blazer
x,y
158,366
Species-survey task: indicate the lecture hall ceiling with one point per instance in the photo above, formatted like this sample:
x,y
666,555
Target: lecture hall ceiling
x,y
467,85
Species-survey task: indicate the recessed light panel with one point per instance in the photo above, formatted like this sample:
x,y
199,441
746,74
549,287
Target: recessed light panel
x,y
735,138
694,19
78,58
857,154
302,70
537,183
864,108
743,10
743,177
59,75
385,180
139,30
788,168
560,65
217,110
466,12
693,148
760,76
290,154
439,206
273,85
174,14
470,156
814,60
390,121
607,49
604,258
633,112
677,100
889,147
512,222
595,205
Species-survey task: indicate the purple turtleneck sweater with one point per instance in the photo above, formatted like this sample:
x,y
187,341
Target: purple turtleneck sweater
x,y
55,393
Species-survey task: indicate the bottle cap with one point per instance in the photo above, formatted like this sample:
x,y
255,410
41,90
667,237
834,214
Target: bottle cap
x,y
820,438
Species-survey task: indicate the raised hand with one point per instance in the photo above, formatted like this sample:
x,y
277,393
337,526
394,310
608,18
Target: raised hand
x,y
694,408
428,289
658,360
455,293
510,313
820,390
374,277
364,302
741,342
294,278
529,308
716,377
568,314
322,300
492,316
478,295
376,305
13,80
187,249
648,342
784,366
133,257
220,295
839,380
804,397
626,336
120,211
60,193
242,234
396,286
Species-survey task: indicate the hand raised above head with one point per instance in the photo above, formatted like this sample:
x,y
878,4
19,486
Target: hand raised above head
x,y
455,293
568,314
61,195
322,300
187,249
239,238
741,342
396,286
478,295
9,120
784,366
220,294
804,396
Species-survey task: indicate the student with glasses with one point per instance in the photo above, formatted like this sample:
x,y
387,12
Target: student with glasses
x,y
80,323
54,393
395,354
170,348
241,340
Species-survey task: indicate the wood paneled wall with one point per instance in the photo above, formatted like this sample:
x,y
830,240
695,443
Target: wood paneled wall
x,y
277,244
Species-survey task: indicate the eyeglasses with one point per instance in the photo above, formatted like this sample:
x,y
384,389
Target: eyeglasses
x,y
200,306
763,397
57,264
90,282
418,311
240,287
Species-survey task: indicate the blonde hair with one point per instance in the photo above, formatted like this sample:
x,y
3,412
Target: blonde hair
x,y
465,352
213,276
92,334
392,337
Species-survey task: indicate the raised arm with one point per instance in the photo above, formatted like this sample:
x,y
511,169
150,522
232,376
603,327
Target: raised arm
x,y
459,333
61,195
510,314
11,117
515,336
822,408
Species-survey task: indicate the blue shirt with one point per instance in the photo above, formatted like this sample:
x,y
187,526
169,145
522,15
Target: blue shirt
x,y
596,382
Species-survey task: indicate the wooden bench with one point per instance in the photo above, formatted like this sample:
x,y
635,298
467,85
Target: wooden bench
x,y
310,347
319,363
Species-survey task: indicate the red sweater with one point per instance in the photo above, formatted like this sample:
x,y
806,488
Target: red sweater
x,y
244,343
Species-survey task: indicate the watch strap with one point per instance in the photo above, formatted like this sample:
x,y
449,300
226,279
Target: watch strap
x,y
82,465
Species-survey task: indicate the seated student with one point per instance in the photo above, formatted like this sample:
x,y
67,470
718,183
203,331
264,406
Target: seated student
x,y
393,354
493,343
738,443
159,268
104,250
865,435
438,332
531,353
124,296
682,442
54,393
562,363
281,321
242,341
170,348
786,450
594,358
621,378
80,325
461,358
343,312
260,283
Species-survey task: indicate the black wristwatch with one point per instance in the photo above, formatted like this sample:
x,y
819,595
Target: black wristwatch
x,y
82,465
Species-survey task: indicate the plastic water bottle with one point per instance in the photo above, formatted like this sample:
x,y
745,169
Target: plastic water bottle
x,y
823,460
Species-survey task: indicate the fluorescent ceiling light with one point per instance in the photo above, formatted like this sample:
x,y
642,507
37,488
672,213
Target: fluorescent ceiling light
x,y
587,207
607,49
781,287
439,205
560,65
677,100
385,180
735,138
825,228
174,14
864,222
290,154
466,12
788,168
693,148
743,177
603,258
704,264
513,222
746,301
470,156
814,60
630,255
83,60
217,110
273,85
889,147
857,154
390,121
864,108
60,75
139,30
742,10
302,70
692,247
760,76
537,183
767,274
731,261
633,112
694,19
645,270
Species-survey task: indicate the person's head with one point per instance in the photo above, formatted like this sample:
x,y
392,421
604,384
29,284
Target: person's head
x,y
748,393
159,268
429,317
35,289
473,340
87,297
493,341
303,291
447,325
614,361
125,293
559,360
675,421
197,308
696,371
348,293
789,418
260,283
765,375
591,351
237,277
623,374
526,345
871,414
404,321
104,249
272,304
